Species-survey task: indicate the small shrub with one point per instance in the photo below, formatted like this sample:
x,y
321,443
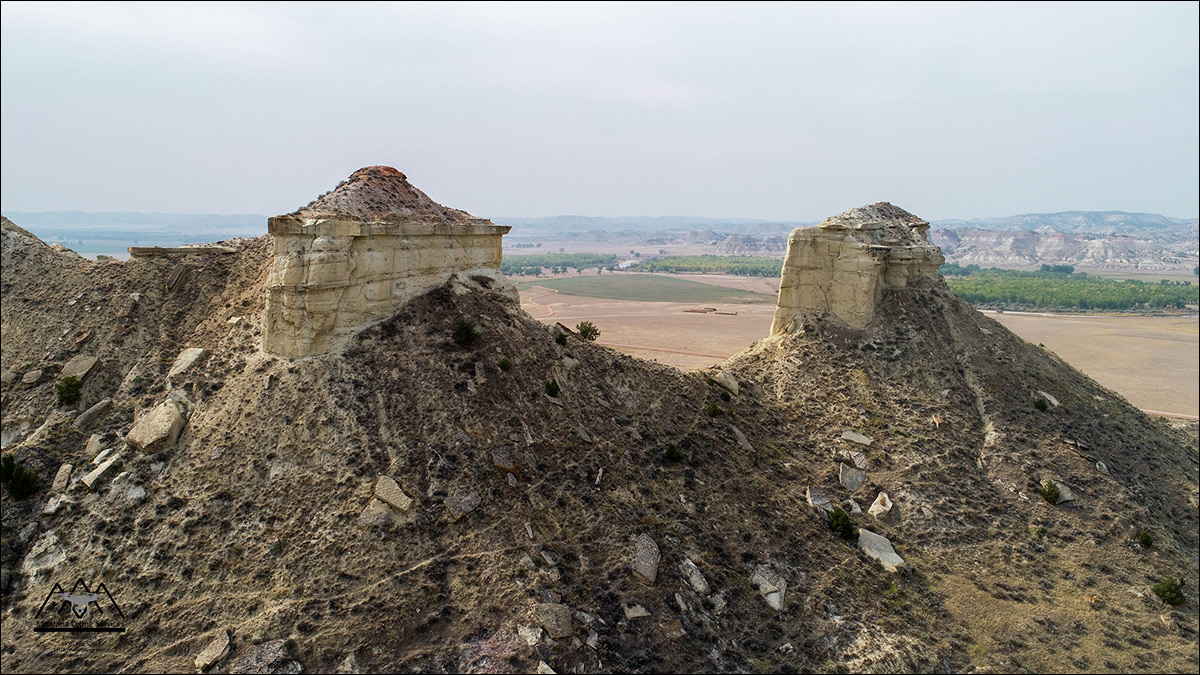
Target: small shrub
x,y
465,332
588,331
673,453
725,396
1169,591
839,522
69,390
561,339
712,409
1040,404
552,387
1146,539
505,364
1050,491
19,481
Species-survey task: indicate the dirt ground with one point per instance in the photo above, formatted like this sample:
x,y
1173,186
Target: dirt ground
x,y
1152,361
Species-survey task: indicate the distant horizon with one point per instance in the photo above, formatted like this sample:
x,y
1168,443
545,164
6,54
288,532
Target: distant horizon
x,y
744,219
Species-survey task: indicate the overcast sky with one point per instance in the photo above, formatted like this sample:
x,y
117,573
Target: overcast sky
x,y
788,112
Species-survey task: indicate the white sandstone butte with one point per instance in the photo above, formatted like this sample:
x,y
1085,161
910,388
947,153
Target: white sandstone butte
x,y
843,266
357,254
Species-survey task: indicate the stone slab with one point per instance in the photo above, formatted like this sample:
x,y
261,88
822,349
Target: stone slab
x,y
879,548
186,360
80,367
387,490
646,558
92,414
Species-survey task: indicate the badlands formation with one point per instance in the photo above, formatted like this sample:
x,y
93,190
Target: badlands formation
x,y
356,254
845,265
413,497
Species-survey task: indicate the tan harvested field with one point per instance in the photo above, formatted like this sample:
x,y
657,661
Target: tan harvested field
x,y
1154,362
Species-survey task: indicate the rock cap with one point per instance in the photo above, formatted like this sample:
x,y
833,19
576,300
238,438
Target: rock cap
x,y
381,194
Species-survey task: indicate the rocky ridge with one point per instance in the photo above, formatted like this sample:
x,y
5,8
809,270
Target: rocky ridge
x,y
418,502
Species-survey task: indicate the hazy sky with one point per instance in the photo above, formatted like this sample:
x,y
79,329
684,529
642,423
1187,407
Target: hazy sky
x,y
790,112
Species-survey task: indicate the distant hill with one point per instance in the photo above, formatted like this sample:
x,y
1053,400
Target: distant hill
x,y
1082,222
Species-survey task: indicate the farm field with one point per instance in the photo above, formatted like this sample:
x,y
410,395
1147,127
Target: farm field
x,y
650,288
1154,362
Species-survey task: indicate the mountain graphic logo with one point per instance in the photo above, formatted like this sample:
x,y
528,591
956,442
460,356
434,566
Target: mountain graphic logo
x,y
79,610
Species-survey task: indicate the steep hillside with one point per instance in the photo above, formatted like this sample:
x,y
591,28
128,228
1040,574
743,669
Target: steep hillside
x,y
640,519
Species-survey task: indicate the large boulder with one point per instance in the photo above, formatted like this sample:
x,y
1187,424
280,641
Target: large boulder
x,y
159,429
879,548
646,558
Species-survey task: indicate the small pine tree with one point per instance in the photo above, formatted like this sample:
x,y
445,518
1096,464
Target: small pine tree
x,y
839,522
19,481
1169,591
68,390
588,331
465,332
1050,491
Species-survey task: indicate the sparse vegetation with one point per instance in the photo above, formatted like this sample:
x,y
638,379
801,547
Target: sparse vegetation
x,y
68,390
1169,591
713,409
1040,404
673,453
839,522
1050,490
465,332
588,331
1146,539
552,388
17,480
561,338
505,364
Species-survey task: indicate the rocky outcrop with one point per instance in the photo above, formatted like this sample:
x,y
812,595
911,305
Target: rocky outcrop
x,y
358,253
844,265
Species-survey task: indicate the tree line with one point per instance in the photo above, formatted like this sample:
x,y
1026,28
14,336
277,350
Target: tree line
x,y
1061,286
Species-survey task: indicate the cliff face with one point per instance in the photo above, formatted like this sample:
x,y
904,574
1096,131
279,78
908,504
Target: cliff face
x,y
844,265
356,254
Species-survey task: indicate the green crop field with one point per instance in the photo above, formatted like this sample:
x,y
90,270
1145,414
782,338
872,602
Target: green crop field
x,y
647,287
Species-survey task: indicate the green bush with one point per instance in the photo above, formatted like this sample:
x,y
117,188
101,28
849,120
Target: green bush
x,y
69,389
1050,492
552,387
1040,404
712,409
1169,591
588,331
725,396
673,453
19,481
465,332
1146,539
839,522
505,363
561,339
